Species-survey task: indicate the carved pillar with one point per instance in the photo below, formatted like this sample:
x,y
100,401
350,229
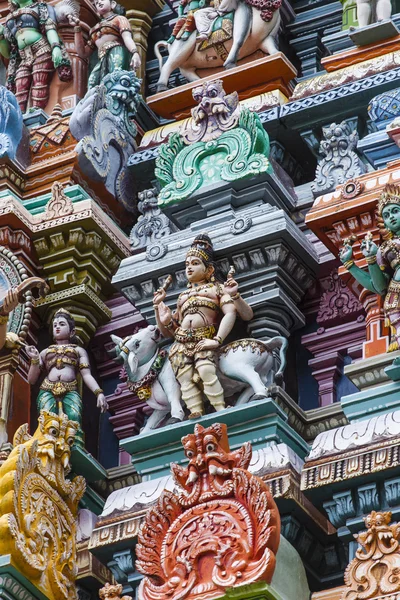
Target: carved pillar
x,y
377,333
327,370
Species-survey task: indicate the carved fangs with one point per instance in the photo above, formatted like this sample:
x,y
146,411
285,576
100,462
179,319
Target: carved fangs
x,y
192,477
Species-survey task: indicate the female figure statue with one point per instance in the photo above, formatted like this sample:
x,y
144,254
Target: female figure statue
x,y
62,362
112,37
204,317
30,40
383,261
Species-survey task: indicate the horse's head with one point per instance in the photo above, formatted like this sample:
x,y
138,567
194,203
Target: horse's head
x,y
137,349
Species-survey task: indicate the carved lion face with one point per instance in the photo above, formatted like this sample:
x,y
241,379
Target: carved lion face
x,y
55,436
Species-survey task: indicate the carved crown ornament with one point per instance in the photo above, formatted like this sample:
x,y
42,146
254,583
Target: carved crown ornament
x,y
373,572
221,530
39,506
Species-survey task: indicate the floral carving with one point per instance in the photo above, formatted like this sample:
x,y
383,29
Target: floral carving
x,y
374,570
59,204
221,530
39,506
337,301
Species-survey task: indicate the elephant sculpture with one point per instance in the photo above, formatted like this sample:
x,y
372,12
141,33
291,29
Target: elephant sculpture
x,y
253,29
246,366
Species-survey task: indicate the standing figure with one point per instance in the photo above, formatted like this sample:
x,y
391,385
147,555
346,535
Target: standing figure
x,y
30,40
383,261
112,37
62,362
205,316
9,303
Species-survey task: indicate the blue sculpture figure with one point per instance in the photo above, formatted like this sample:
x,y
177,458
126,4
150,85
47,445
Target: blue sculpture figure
x,y
11,123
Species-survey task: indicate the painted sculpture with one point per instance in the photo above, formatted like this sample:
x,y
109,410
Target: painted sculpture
x,y
383,261
39,506
373,12
10,123
150,375
29,39
373,571
112,38
112,592
221,142
102,121
204,317
222,32
221,531
338,162
61,363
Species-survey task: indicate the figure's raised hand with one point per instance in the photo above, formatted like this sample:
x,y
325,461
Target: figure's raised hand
x,y
346,253
231,287
159,296
73,20
32,352
10,302
368,247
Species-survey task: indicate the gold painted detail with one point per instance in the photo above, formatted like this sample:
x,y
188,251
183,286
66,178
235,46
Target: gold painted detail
x,y
373,573
112,592
39,506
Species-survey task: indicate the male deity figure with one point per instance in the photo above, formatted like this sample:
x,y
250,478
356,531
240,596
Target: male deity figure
x,y
200,16
62,362
113,39
383,261
204,317
30,40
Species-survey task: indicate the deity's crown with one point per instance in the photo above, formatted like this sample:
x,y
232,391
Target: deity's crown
x,y
63,311
389,195
202,248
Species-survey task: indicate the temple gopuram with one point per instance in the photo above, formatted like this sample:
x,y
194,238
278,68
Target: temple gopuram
x,y
200,300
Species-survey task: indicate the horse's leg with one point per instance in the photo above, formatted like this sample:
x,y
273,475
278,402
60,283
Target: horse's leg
x,y
268,45
241,29
156,417
243,371
179,53
190,74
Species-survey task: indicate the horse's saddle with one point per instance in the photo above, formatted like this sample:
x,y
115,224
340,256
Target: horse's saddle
x,y
222,31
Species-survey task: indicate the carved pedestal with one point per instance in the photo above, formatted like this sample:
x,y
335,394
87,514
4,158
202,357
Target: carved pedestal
x,y
259,76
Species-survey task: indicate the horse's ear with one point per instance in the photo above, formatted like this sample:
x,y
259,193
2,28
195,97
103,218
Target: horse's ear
x,y
117,340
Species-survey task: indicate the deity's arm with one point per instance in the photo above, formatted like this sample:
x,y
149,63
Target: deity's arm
x,y
165,320
4,47
243,309
363,278
379,278
128,41
86,373
227,321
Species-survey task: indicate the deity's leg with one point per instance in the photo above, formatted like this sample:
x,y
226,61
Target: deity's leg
x,y
72,406
43,69
95,76
212,386
23,82
117,58
394,321
46,401
364,12
191,395
383,10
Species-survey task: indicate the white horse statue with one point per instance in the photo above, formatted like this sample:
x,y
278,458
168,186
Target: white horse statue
x,y
251,32
246,366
